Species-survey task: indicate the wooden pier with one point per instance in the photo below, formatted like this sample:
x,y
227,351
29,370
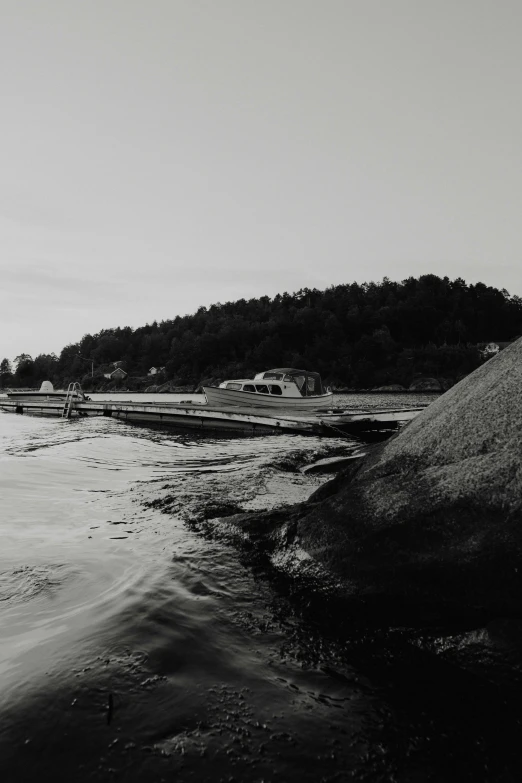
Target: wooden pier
x,y
203,417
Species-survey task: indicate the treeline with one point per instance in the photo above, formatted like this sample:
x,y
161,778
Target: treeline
x,y
355,335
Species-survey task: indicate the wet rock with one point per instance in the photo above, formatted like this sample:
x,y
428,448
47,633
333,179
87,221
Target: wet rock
x,y
301,460
216,509
332,464
433,517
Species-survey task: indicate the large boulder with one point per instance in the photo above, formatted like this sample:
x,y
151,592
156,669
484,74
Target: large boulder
x,y
430,523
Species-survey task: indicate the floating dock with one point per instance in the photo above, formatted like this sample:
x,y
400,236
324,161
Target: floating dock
x,y
334,422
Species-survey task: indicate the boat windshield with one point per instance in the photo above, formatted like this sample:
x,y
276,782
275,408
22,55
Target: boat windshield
x,y
299,381
308,383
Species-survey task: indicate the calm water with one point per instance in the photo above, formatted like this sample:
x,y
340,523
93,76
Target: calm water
x,y
135,648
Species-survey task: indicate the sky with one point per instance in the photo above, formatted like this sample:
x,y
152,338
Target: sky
x,y
161,155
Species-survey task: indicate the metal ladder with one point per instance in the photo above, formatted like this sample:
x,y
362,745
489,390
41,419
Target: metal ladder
x,y
72,390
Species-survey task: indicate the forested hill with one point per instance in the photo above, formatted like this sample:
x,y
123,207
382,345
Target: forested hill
x,y
355,335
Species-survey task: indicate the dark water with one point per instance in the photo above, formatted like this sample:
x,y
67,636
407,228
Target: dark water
x,y
135,648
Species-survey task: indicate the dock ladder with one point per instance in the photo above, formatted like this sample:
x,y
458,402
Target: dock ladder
x,y
72,390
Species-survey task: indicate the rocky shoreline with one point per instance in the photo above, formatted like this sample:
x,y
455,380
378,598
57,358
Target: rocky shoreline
x,y
434,514
411,559
424,533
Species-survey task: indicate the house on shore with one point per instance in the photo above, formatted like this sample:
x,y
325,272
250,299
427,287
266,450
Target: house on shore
x,y
116,375
156,370
488,350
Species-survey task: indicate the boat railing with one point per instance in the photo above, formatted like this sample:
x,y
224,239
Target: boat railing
x,y
11,390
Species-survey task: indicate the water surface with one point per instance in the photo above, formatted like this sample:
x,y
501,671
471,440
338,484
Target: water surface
x,y
135,648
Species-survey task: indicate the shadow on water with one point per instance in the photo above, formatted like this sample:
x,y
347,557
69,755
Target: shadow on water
x,y
205,678
438,717
192,679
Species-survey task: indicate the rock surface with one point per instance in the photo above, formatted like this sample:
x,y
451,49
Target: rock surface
x,y
429,525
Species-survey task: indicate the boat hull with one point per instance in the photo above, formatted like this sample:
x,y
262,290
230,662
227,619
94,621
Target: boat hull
x,y
36,396
241,399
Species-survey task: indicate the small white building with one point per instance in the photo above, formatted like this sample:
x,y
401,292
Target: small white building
x,y
156,370
116,375
489,350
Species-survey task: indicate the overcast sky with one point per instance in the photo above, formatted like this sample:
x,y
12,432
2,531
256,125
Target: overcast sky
x,y
159,155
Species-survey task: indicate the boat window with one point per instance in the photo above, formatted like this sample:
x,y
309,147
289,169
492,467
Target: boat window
x,y
273,376
236,386
288,379
310,382
249,387
262,389
275,389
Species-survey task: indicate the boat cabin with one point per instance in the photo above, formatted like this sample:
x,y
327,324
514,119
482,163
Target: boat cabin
x,y
284,382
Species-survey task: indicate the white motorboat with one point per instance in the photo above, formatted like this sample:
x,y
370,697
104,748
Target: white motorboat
x,y
46,393
283,388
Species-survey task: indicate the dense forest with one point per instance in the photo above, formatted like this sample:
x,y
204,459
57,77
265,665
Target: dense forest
x,y
356,335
